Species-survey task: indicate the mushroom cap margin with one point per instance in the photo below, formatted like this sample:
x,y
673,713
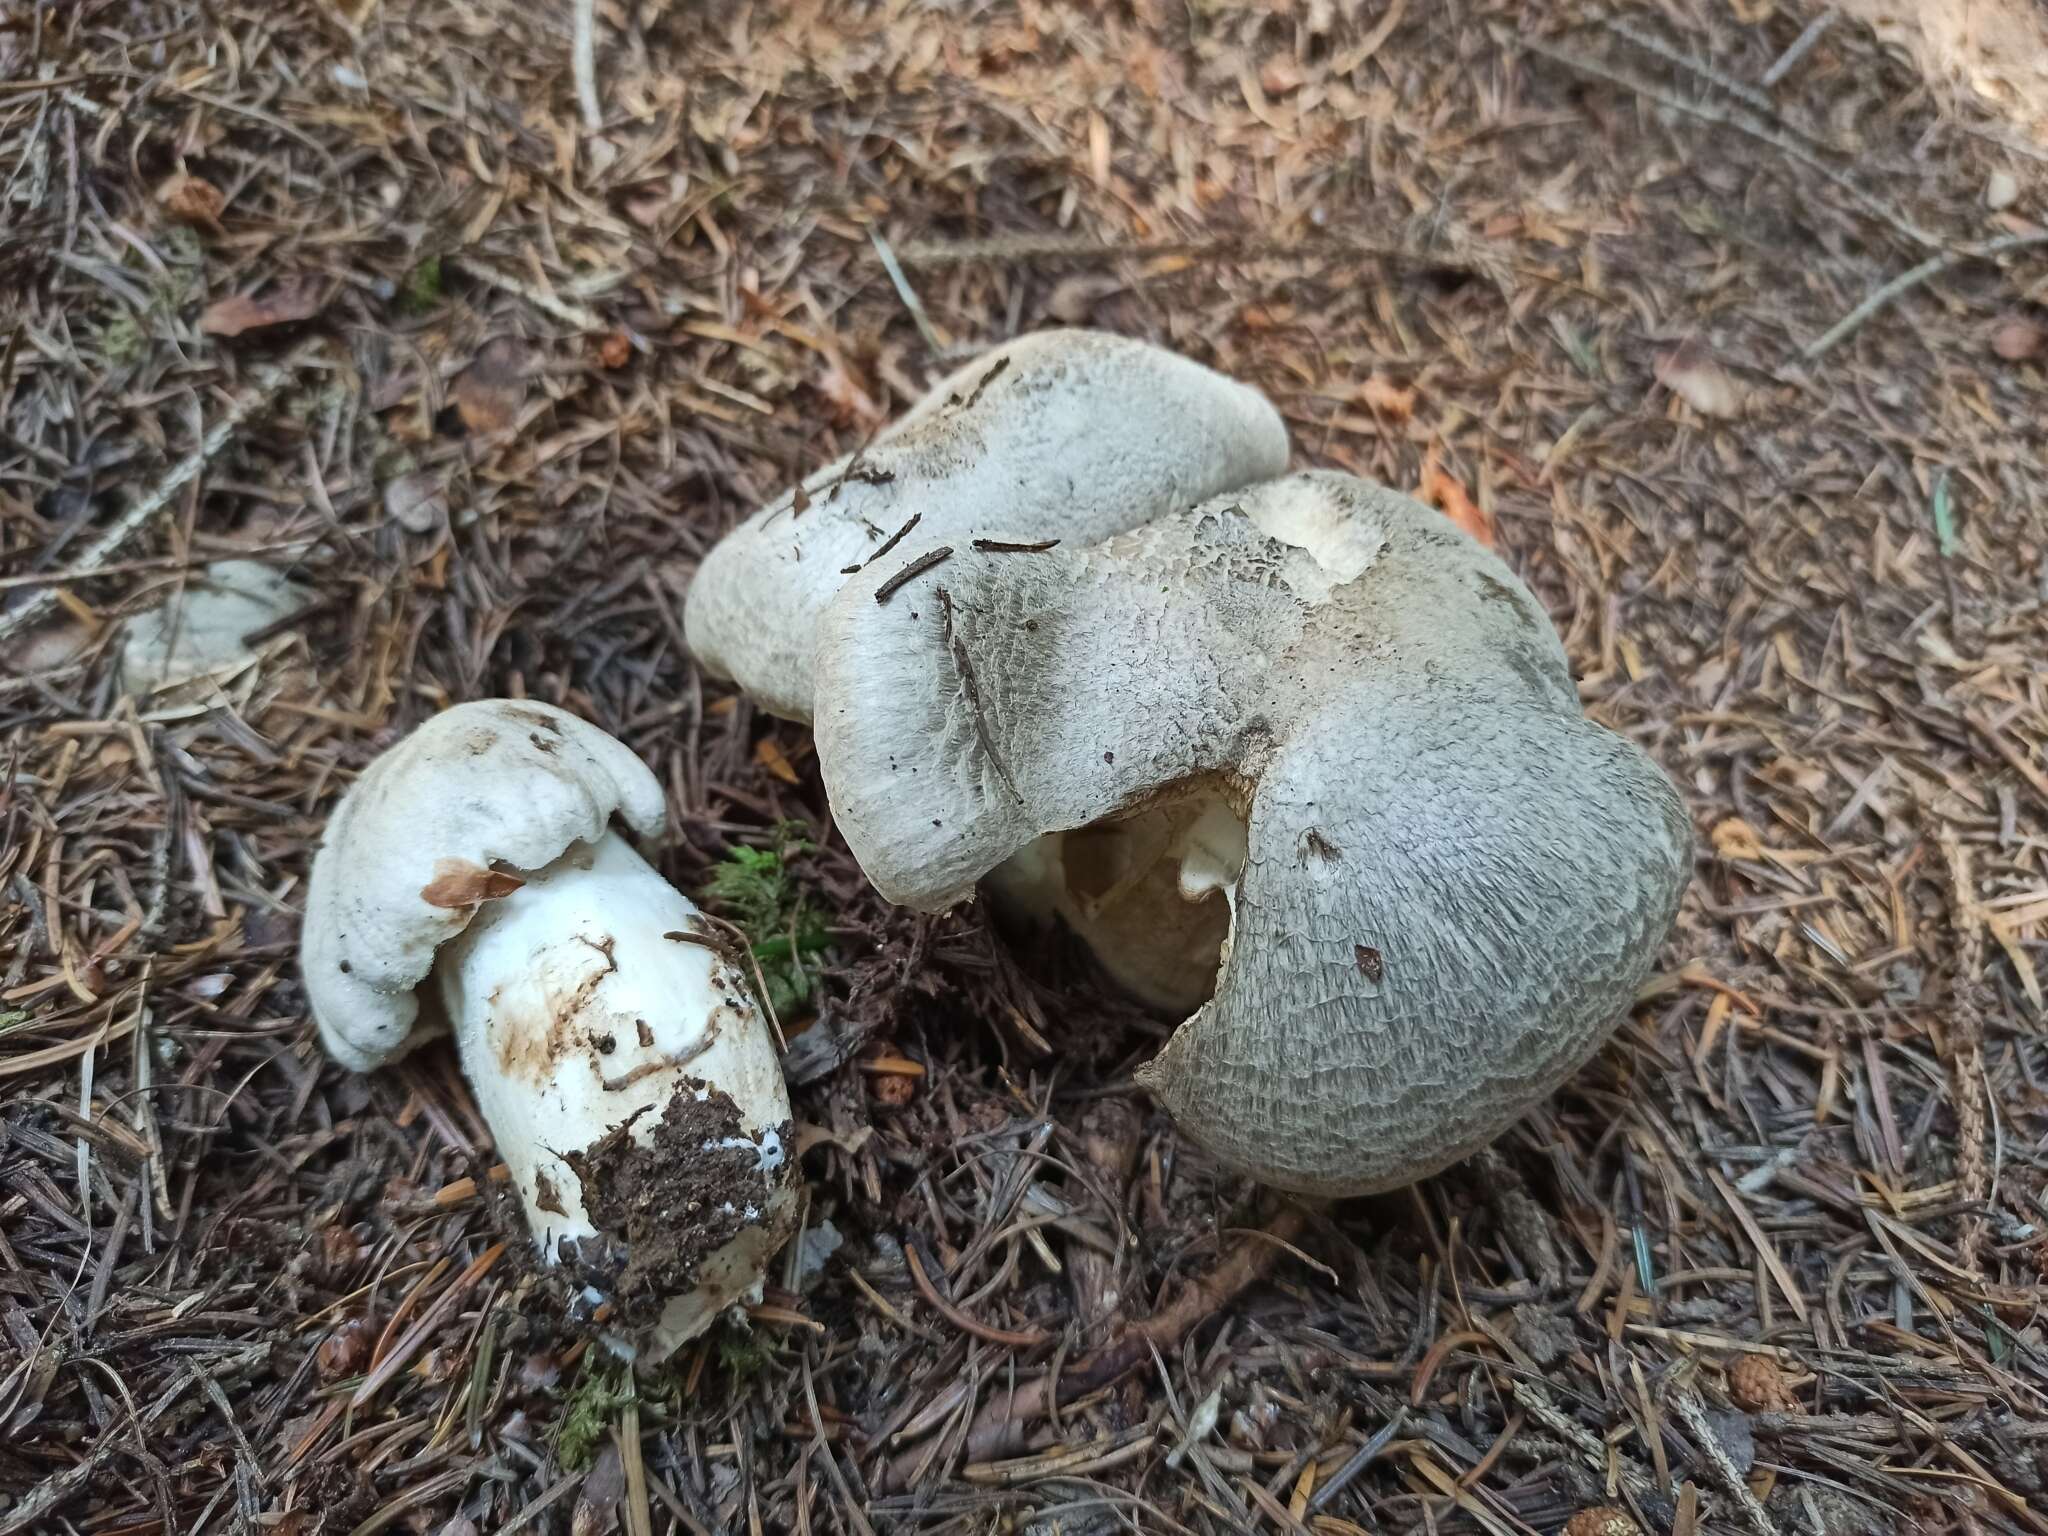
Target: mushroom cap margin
x,y
1059,434
496,784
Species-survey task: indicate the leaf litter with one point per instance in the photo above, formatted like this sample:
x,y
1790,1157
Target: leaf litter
x,y
1815,1142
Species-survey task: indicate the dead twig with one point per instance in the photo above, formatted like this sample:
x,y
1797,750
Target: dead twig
x,y
1905,282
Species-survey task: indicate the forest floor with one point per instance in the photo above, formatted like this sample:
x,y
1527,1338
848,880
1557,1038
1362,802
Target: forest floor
x,y
1730,323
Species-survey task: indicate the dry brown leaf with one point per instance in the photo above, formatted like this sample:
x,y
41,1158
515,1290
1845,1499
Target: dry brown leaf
x,y
1737,839
190,200
2017,338
289,300
1690,373
852,402
491,391
769,754
459,883
1447,493
1388,399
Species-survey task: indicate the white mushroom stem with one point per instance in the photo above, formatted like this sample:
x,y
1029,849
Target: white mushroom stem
x,y
631,1084
589,1000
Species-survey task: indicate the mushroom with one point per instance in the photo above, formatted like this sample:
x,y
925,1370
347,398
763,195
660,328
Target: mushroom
x,y
472,881
1305,760
206,626
1065,435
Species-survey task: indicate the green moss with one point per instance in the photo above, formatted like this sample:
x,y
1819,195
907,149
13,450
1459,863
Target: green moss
x,y
753,887
121,335
743,1353
121,339
422,290
602,1388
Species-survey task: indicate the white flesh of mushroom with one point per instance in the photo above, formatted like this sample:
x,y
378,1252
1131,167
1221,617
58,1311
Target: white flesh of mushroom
x,y
1148,893
590,998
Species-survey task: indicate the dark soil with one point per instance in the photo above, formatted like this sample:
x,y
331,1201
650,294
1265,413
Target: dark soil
x,y
667,1204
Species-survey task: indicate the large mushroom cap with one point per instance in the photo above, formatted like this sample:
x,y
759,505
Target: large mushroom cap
x,y
499,784
1444,884
1069,435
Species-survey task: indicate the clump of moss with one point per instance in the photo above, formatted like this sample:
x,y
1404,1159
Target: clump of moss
x,y
422,290
602,1389
743,1353
754,887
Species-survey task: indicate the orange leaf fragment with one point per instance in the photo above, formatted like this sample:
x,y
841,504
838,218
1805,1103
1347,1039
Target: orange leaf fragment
x,y
849,395
769,754
1446,492
490,392
1693,375
292,299
1394,401
459,883
2017,339
190,200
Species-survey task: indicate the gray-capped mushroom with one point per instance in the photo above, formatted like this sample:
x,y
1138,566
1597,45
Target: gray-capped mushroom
x,y
1307,746
1064,435
472,880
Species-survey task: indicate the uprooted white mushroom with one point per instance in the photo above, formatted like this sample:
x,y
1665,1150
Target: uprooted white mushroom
x,y
206,624
1066,435
1305,755
472,880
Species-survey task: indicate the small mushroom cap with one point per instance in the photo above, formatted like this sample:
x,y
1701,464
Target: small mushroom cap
x,y
1069,435
205,625
411,851
1451,882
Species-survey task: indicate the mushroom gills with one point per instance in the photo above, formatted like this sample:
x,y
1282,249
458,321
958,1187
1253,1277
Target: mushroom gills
x,y
637,1101
1150,893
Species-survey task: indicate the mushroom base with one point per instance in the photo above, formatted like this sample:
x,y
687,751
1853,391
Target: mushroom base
x,y
1149,893
686,1222
632,1085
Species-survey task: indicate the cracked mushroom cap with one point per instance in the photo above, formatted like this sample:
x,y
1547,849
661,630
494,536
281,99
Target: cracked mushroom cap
x,y
417,843
1069,435
1442,884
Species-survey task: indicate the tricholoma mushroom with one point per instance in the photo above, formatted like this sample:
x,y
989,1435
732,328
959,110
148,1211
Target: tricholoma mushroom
x,y
1304,759
472,881
1073,435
